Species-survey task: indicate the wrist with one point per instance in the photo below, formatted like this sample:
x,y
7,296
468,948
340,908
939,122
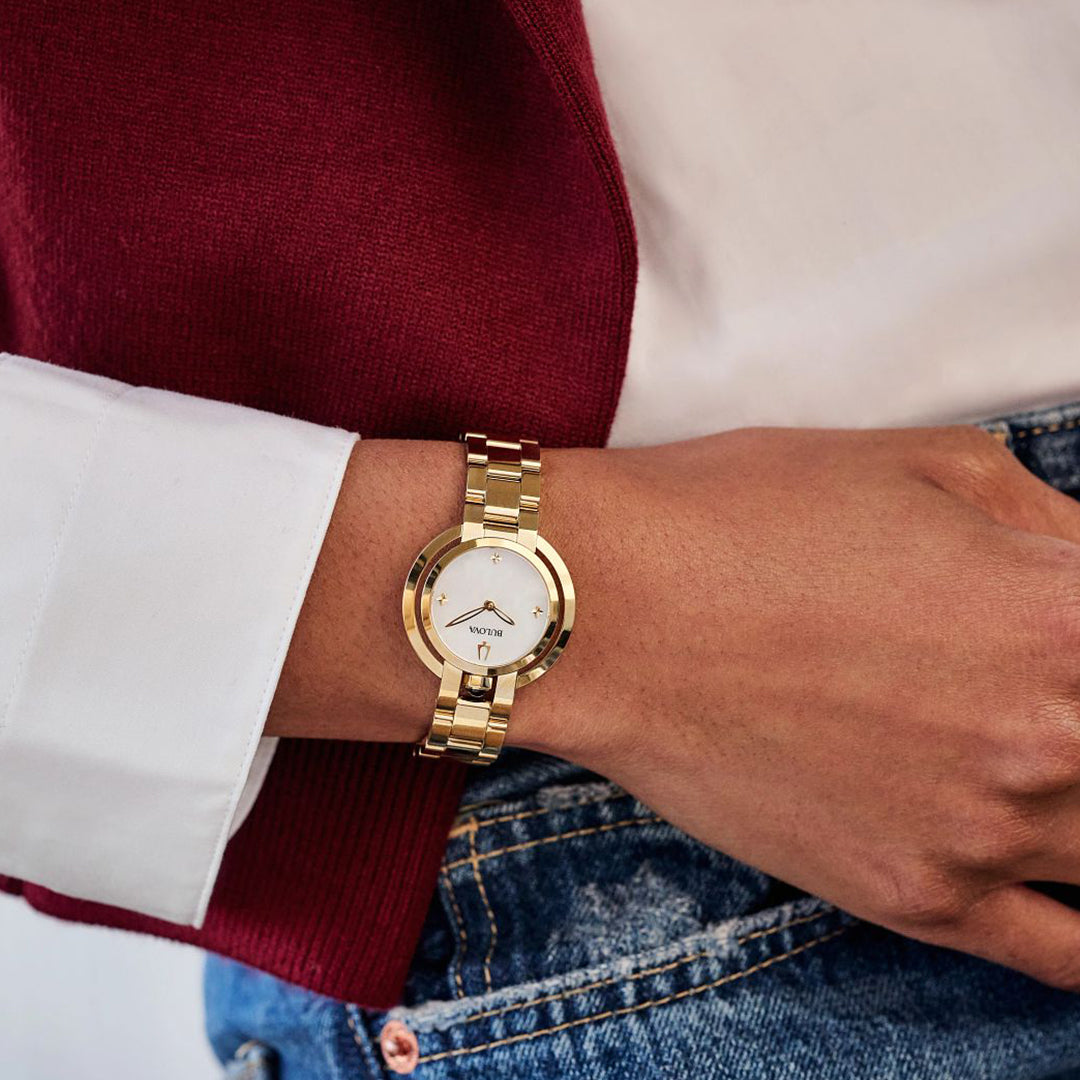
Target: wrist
x,y
349,673
551,716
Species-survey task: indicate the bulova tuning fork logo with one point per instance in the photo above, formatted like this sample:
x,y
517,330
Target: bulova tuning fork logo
x,y
482,650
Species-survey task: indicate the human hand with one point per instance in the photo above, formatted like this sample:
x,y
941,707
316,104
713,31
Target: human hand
x,y
851,659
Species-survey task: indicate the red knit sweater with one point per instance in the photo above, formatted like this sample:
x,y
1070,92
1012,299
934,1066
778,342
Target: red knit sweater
x,y
403,217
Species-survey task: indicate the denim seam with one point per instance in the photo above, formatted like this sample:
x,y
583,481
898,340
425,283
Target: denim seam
x,y
468,808
350,1019
368,1059
562,995
572,834
493,929
462,829
800,921
462,933
626,1010
1048,429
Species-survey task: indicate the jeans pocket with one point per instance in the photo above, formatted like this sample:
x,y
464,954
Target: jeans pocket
x,y
703,971
574,878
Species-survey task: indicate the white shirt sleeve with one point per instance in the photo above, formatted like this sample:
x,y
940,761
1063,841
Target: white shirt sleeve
x,y
155,550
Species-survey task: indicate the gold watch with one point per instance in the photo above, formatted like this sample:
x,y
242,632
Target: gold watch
x,y
489,604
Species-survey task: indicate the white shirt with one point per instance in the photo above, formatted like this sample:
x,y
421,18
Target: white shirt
x,y
848,215
154,554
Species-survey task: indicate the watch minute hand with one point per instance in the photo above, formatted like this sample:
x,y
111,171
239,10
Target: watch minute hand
x,y
466,616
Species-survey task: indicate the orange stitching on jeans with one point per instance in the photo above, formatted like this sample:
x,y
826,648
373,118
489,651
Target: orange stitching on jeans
x,y
626,1010
461,830
463,937
574,833
494,930
1048,429
784,926
562,995
351,1020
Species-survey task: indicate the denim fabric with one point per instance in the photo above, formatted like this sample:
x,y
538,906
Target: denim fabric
x,y
1047,441
575,935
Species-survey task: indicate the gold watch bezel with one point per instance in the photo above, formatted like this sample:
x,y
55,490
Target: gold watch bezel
x,y
416,605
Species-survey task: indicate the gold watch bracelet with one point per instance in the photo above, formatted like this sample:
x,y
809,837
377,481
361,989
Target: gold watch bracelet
x,y
502,499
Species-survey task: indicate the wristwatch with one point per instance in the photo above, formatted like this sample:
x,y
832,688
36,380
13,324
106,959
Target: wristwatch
x,y
489,604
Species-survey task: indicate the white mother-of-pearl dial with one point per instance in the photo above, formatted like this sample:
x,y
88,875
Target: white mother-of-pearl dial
x,y
497,601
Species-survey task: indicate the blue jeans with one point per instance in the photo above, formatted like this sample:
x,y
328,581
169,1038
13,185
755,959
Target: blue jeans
x,y
575,935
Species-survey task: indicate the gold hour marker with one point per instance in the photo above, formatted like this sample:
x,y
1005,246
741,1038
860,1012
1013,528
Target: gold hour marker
x,y
442,598
482,650
496,557
537,610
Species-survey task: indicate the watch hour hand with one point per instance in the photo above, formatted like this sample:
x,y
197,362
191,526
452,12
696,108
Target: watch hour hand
x,y
464,618
502,615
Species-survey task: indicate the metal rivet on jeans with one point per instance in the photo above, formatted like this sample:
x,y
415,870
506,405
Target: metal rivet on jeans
x,y
400,1050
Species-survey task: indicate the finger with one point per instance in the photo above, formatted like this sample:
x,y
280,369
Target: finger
x,y
1024,930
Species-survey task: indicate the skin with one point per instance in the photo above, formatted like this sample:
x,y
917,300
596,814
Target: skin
x,y
851,659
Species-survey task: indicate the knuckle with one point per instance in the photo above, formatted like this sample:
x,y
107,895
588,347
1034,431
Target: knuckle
x,y
997,839
919,898
1043,755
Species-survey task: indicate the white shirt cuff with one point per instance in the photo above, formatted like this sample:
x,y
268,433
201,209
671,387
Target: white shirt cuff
x,y
155,550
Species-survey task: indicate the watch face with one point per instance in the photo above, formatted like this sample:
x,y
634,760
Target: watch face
x,y
489,606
